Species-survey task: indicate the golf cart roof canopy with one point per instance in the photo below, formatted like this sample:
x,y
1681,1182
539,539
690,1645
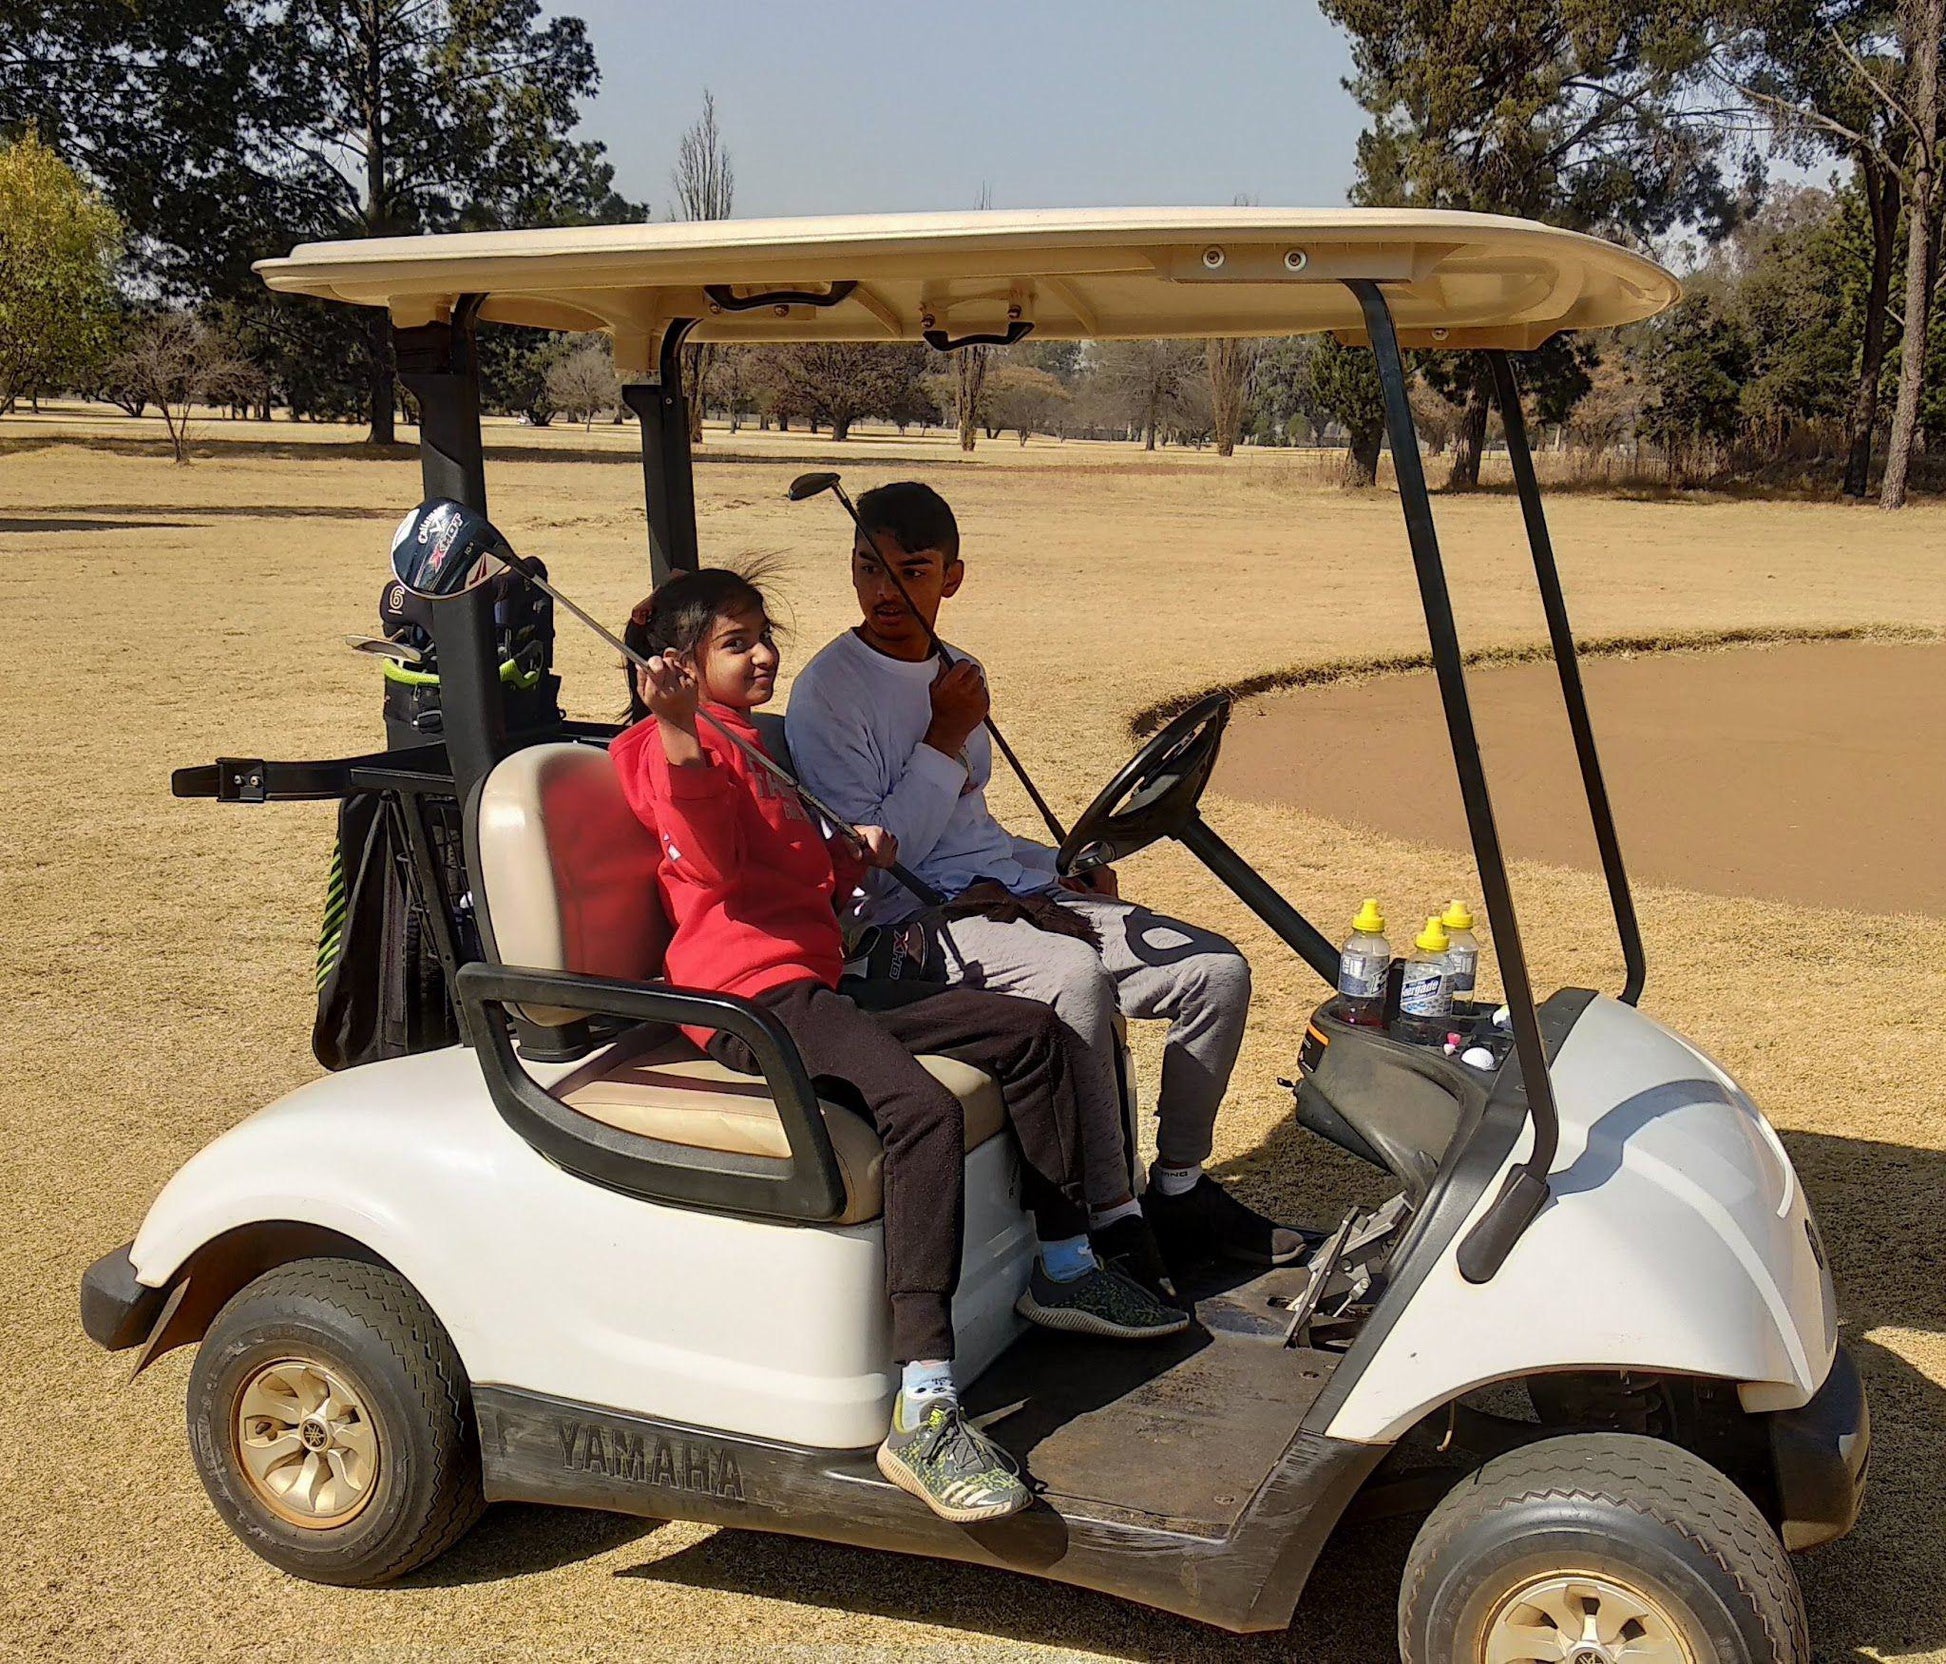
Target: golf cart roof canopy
x,y
1451,279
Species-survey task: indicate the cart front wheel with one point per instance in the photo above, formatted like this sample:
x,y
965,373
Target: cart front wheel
x,y
1599,1549
331,1423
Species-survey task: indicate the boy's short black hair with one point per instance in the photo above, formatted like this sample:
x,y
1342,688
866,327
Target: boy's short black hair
x,y
915,516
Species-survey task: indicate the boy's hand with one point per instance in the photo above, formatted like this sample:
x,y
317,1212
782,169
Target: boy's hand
x,y
959,705
881,848
1097,881
669,690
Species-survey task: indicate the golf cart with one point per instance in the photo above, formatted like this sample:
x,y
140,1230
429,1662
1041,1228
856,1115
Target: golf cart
x,y
571,1260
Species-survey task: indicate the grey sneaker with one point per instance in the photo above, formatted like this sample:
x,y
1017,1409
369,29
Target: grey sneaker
x,y
1104,1302
949,1465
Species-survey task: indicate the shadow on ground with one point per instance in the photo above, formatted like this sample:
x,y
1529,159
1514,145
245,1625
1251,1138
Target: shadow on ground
x,y
94,523
145,518
517,1539
1346,1616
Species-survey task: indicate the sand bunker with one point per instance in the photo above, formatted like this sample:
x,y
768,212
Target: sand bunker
x,y
1813,772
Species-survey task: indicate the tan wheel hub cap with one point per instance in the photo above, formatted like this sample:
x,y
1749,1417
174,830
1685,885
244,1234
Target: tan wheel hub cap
x,y
305,1444
1577,1619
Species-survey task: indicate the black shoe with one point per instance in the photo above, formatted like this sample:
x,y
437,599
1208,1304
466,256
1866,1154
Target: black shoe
x,y
1099,1302
1129,1246
1208,1223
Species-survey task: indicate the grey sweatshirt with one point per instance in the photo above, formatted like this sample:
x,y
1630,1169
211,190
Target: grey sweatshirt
x,y
857,730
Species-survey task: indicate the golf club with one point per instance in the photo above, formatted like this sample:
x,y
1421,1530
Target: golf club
x,y
815,484
443,548
399,652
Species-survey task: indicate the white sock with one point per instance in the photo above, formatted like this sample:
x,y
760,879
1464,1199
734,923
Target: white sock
x,y
1175,1181
1099,1217
927,1378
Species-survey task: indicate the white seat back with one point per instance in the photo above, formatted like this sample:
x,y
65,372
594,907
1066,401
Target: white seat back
x,y
566,869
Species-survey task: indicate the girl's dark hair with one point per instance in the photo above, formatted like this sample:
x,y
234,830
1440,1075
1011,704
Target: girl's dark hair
x,y
678,616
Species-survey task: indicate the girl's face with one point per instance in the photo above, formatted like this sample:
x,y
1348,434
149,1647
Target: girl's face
x,y
736,662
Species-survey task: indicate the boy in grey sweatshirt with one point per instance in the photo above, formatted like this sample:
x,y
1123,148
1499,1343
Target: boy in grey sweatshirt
x,y
890,736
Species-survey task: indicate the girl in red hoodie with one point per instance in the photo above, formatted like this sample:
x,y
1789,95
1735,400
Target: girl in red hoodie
x,y
752,883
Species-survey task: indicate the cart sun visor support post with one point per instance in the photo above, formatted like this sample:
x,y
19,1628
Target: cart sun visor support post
x,y
440,367
668,486
1507,395
1525,1192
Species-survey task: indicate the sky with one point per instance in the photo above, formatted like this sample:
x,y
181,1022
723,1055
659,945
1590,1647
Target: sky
x,y
841,106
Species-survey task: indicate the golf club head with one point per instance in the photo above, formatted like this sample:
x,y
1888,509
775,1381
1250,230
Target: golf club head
x,y
810,485
400,652
443,548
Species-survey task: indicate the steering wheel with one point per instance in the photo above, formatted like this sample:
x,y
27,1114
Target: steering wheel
x,y
1155,794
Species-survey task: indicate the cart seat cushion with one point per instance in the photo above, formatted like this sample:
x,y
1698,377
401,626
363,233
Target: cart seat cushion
x,y
665,1089
567,869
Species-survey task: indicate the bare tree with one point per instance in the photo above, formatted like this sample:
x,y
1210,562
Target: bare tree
x,y
1864,78
1148,382
705,186
176,362
583,384
1232,375
1920,25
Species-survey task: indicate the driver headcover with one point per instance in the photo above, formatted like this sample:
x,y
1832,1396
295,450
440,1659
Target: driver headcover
x,y
441,548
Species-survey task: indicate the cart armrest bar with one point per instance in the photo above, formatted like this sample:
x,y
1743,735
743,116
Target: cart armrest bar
x,y
807,1186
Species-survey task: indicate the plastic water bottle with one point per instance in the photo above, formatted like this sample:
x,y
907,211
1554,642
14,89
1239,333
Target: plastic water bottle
x,y
1463,950
1425,994
1362,965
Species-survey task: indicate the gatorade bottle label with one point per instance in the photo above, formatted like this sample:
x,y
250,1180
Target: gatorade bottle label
x,y
1361,976
1422,992
1463,968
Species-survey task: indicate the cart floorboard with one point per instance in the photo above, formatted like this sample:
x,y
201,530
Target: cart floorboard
x,y
1101,1426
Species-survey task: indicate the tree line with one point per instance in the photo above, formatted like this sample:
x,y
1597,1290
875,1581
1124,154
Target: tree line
x,y
154,149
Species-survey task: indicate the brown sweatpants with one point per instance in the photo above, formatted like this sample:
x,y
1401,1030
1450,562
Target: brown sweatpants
x,y
1020,1043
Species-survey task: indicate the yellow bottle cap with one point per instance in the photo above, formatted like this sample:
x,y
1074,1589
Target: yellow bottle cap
x,y
1433,939
1370,919
1458,916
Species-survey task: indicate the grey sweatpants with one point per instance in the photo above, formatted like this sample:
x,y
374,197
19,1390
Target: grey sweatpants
x,y
1148,966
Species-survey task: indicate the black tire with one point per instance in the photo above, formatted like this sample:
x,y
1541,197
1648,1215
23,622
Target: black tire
x,y
1645,1516
372,1332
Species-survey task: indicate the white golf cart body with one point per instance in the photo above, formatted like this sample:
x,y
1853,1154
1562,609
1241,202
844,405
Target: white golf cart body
x,y
1679,1242
586,1214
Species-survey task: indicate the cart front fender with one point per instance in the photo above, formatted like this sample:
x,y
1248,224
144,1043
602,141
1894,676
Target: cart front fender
x,y
400,1158
1676,1239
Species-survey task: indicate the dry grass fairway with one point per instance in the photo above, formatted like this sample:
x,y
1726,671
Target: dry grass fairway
x,y
155,962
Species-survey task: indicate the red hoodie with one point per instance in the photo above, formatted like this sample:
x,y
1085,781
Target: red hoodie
x,y
746,876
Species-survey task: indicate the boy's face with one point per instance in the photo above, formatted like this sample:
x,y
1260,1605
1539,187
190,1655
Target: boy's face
x,y
888,623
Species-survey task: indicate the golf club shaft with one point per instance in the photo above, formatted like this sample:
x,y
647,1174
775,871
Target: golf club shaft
x,y
924,891
932,637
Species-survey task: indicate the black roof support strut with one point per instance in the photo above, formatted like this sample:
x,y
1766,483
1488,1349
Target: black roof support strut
x,y
1525,1191
440,366
668,486
1506,392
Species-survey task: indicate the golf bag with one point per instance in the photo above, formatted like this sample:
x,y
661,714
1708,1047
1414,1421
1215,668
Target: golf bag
x,y
523,617
381,987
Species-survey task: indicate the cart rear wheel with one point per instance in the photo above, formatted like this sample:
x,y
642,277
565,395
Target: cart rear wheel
x,y
1601,1548
332,1425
